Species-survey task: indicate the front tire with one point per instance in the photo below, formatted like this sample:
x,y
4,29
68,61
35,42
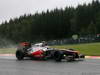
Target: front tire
x,y
58,56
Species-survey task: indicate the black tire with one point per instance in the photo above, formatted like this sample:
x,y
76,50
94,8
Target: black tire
x,y
58,56
19,55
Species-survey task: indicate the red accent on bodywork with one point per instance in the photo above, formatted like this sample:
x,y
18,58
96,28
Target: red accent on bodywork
x,y
38,53
24,44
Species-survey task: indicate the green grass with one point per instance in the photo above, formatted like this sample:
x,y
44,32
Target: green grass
x,y
92,49
7,50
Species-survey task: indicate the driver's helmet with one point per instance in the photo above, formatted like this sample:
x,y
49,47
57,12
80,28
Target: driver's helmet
x,y
44,43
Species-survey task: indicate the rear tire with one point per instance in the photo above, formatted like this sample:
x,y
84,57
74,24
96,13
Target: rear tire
x,y
19,55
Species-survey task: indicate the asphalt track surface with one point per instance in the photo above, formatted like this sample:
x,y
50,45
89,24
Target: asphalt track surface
x,y
9,65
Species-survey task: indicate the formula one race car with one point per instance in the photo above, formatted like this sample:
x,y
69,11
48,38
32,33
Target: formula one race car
x,y
41,51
